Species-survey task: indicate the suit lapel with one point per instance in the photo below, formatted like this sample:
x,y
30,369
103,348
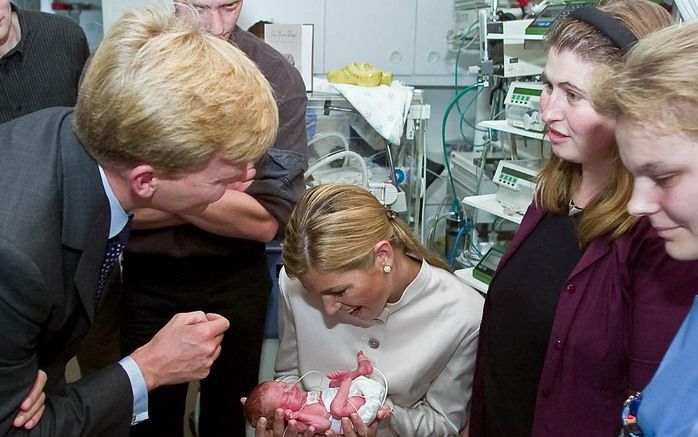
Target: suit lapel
x,y
86,214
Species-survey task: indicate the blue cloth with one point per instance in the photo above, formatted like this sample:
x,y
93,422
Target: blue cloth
x,y
670,402
139,389
119,217
310,123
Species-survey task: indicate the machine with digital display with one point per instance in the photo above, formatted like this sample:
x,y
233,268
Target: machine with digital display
x,y
484,270
517,183
522,105
514,54
545,19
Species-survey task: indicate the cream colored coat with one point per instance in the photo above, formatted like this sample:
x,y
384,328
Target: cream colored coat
x,y
425,344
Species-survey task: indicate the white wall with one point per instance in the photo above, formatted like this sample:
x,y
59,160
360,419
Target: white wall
x,y
407,37
113,9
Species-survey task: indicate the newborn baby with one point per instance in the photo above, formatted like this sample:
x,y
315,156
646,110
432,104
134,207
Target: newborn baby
x,y
349,392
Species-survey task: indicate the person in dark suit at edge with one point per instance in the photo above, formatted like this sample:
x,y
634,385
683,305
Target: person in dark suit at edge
x,y
41,57
150,129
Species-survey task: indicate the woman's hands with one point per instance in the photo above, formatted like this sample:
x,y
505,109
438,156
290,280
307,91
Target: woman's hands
x,y
279,425
32,406
351,426
356,428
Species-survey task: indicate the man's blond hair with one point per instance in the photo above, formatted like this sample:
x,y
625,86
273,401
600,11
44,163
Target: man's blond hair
x,y
162,91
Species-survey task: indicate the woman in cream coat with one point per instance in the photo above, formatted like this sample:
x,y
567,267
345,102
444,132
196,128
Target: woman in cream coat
x,y
356,278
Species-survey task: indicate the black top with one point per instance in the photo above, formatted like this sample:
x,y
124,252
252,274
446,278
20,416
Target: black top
x,y
523,300
43,69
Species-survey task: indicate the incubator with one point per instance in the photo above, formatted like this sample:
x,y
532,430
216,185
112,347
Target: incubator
x,y
355,143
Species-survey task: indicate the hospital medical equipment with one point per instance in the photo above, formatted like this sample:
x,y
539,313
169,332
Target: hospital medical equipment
x,y
522,105
517,183
346,147
469,179
551,13
484,270
513,53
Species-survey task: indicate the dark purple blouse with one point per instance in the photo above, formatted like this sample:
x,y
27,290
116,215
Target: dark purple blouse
x,y
616,315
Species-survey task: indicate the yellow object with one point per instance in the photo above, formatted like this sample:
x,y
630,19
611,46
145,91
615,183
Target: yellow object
x,y
360,74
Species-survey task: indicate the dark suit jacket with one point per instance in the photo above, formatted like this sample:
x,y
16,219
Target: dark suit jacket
x,y
54,224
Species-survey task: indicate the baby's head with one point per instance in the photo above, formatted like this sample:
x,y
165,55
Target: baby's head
x,y
267,396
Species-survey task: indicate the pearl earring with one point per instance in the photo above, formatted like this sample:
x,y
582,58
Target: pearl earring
x,y
387,269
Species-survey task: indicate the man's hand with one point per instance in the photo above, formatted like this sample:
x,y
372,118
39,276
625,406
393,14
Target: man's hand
x,y
183,350
244,183
32,407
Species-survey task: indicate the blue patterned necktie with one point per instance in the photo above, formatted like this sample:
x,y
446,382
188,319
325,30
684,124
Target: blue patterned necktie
x,y
115,246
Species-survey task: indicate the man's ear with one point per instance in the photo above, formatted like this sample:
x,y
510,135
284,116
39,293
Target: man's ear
x,y
142,181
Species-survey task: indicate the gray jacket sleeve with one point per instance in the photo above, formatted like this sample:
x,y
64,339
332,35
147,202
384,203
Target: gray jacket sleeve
x,y
98,405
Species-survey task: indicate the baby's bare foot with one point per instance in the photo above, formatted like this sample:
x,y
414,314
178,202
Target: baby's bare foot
x,y
364,367
337,376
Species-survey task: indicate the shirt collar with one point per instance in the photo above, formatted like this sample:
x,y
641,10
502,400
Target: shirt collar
x,y
119,216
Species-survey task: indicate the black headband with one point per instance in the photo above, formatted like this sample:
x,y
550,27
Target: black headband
x,y
616,31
